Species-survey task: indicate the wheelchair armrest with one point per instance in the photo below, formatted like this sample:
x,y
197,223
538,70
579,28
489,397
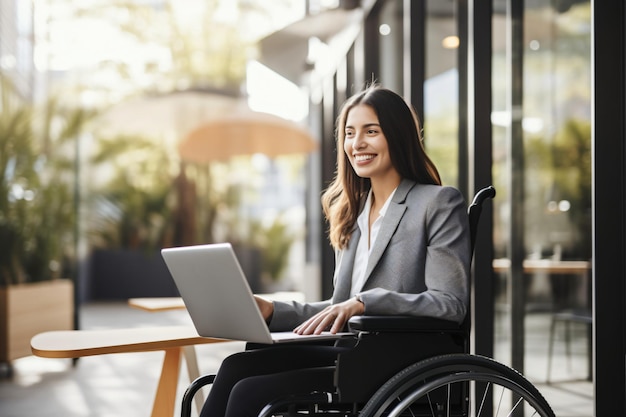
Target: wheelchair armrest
x,y
401,340
193,388
401,324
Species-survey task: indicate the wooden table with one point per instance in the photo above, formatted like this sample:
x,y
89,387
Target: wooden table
x,y
174,340
158,304
549,267
171,339
545,265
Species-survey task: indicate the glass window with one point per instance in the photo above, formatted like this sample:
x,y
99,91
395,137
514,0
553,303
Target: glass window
x,y
554,194
441,85
390,30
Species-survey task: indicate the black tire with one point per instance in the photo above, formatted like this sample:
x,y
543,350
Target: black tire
x,y
441,386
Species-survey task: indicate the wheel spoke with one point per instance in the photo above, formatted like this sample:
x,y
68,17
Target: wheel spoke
x,y
482,401
444,386
430,403
519,401
500,401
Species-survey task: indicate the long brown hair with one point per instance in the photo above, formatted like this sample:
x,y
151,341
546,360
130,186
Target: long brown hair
x,y
343,199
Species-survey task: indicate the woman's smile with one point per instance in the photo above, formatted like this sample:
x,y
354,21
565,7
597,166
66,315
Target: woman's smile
x,y
363,158
366,146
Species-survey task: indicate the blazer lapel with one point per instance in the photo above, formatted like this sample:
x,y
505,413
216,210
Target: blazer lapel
x,y
343,281
392,218
395,211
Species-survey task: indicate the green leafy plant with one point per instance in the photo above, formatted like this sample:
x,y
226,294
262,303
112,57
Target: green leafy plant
x,y
37,174
134,208
274,242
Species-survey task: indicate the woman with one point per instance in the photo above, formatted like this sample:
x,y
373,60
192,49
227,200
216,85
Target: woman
x,y
402,248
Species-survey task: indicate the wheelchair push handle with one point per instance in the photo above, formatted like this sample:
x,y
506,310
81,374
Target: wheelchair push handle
x,y
483,194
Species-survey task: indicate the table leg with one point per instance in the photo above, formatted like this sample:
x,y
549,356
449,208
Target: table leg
x,y
165,399
194,372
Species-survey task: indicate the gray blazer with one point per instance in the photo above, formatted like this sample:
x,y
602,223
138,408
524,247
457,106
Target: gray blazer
x,y
419,265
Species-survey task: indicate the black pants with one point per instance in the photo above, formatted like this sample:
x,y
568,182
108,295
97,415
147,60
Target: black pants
x,y
248,380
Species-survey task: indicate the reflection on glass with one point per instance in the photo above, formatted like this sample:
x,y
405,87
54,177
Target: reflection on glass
x,y
556,123
441,99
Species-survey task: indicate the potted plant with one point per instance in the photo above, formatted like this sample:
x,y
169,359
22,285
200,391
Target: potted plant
x,y
37,220
130,218
274,242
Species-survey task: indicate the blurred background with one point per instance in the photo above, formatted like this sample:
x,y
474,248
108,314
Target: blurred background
x,y
96,182
130,126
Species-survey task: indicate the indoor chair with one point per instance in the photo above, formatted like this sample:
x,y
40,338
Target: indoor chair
x,y
569,309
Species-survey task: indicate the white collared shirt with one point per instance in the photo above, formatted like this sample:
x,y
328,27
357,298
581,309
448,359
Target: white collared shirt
x,y
364,248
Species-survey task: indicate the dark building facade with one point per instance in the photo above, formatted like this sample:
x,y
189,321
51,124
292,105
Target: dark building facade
x,y
525,95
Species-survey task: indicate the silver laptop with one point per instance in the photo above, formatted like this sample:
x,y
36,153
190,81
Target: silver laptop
x,y
218,297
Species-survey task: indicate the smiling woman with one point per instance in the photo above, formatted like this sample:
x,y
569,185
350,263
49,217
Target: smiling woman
x,y
399,127
402,248
366,147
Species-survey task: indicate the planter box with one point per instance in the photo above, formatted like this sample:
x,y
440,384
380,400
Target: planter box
x,y
28,309
122,274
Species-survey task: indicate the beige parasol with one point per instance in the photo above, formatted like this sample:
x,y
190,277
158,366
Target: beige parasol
x,y
245,132
170,115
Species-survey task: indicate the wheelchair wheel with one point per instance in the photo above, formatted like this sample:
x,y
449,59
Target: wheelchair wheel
x,y
442,386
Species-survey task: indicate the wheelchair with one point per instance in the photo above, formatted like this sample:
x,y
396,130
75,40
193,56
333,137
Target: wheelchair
x,y
416,366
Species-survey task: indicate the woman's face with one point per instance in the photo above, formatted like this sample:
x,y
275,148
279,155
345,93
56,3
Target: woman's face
x,y
366,145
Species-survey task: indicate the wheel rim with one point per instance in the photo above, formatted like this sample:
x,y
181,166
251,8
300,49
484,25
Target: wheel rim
x,y
491,380
426,386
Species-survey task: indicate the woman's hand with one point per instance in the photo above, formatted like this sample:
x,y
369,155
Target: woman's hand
x,y
332,318
266,307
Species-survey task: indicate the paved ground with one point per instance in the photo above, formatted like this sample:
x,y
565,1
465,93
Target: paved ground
x,y
123,385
